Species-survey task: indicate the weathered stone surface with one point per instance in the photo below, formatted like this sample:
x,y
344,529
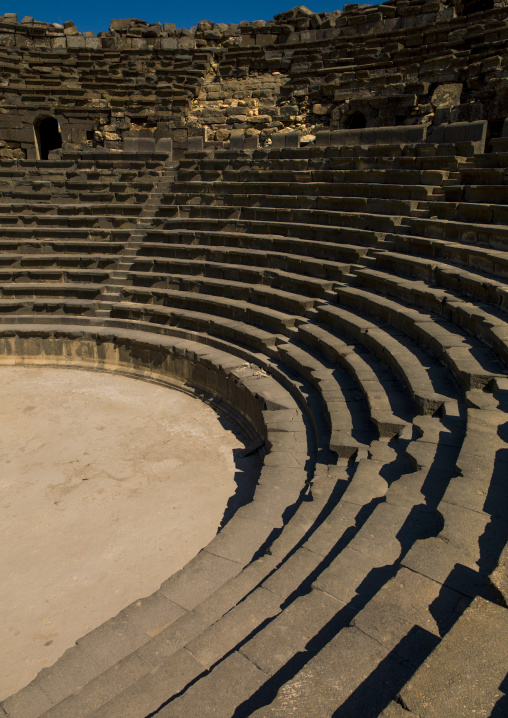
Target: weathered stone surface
x,y
443,686
447,95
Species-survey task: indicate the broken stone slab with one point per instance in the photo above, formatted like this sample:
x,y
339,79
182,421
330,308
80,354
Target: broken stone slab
x,y
447,95
139,144
251,142
186,43
393,135
195,144
285,139
458,132
237,140
165,146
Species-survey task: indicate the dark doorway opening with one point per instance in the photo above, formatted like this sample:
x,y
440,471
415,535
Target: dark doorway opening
x,y
47,132
355,121
468,7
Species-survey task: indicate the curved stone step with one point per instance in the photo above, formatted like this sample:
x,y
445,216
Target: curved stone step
x,y
476,318
390,348
472,364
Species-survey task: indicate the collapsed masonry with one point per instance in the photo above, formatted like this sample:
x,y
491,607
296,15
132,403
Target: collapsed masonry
x,y
398,63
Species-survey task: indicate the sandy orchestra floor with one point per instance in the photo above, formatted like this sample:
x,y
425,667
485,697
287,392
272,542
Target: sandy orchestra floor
x,y
108,485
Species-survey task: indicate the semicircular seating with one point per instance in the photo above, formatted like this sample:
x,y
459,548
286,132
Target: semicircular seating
x,y
353,310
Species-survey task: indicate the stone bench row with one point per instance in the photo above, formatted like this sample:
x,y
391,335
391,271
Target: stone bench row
x,y
493,236
401,356
478,319
476,257
477,193
287,207
185,192
352,222
474,212
302,177
108,166
76,288
42,209
360,214
98,158
59,173
97,220
71,195
479,285
470,134
230,283
25,308
468,359
151,271
312,258
52,274
334,212
47,259
492,333
85,182
188,244
39,241
261,306
425,157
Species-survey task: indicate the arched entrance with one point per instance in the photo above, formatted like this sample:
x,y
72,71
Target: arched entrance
x,y
355,121
47,135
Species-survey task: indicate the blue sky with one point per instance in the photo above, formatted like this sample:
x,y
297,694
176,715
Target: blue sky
x,y
96,15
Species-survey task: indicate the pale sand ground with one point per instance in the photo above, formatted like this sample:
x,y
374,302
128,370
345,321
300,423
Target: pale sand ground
x,y
108,485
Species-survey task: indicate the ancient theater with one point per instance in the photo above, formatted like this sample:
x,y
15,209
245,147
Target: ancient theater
x,y
254,365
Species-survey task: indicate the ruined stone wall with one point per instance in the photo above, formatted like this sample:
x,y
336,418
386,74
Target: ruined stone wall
x,y
391,64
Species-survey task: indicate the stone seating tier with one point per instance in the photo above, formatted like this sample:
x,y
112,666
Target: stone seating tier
x,y
364,341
